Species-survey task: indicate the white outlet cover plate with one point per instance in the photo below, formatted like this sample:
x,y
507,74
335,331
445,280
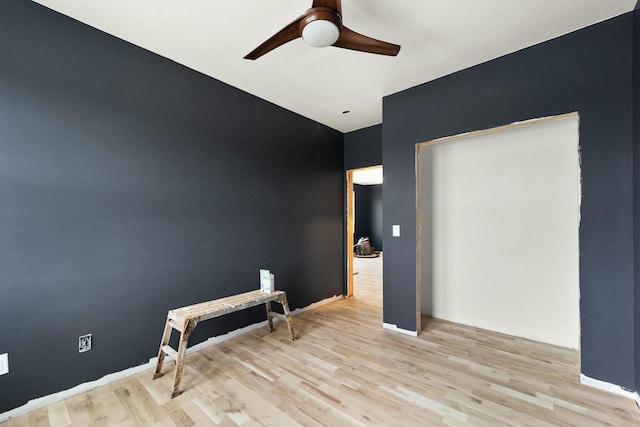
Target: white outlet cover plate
x,y
396,231
4,363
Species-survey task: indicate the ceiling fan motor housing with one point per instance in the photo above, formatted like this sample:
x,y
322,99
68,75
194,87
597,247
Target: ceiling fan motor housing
x,y
320,26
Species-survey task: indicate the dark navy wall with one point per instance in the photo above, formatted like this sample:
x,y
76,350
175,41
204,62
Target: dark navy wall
x,y
368,218
363,148
588,71
130,185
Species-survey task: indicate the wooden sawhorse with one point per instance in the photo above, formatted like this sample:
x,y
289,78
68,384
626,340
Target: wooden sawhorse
x,y
185,319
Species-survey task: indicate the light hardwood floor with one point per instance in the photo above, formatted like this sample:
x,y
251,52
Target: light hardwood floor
x,y
345,370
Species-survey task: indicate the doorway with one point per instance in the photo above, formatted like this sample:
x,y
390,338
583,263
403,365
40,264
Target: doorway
x,y
498,216
370,180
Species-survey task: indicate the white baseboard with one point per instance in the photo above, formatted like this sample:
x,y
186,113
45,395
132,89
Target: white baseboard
x,y
50,399
605,386
395,328
317,304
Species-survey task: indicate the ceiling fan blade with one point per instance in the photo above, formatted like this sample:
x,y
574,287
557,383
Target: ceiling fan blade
x,y
285,35
331,4
351,40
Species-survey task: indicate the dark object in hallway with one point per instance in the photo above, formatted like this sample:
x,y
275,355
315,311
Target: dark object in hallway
x,y
364,249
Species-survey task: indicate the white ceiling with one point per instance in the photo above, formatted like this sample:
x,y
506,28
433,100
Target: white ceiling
x,y
438,37
368,176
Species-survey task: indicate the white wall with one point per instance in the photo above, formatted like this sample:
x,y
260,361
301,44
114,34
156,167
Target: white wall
x,y
499,231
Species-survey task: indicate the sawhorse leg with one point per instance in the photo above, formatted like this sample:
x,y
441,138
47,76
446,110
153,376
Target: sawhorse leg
x,y
184,338
269,316
286,316
165,341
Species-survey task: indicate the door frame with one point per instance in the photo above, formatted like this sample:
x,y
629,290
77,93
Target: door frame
x,y
350,194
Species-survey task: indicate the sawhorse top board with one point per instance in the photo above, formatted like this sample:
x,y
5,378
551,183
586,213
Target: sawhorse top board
x,y
185,319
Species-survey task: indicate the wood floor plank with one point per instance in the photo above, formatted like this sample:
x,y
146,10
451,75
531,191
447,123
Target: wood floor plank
x,y
178,415
39,418
97,411
58,415
346,370
78,410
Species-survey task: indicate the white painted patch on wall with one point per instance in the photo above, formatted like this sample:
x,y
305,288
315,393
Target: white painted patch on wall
x,y
395,328
499,219
605,386
4,363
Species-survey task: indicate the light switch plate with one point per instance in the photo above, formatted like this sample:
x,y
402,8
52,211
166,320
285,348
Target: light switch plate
x,y
4,363
396,231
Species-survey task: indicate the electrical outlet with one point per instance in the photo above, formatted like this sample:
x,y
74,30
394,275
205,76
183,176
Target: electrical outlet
x,y
84,343
4,363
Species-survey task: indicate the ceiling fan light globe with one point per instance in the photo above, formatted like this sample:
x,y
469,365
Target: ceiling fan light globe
x,y
320,33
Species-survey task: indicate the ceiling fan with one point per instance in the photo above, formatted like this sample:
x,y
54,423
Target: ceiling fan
x,y
321,26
